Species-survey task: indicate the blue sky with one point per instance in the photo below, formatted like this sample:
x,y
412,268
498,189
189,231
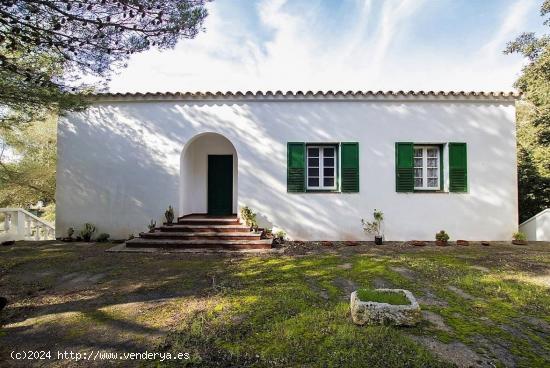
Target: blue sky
x,y
342,45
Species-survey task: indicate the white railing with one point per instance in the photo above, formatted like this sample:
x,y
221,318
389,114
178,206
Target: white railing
x,y
19,224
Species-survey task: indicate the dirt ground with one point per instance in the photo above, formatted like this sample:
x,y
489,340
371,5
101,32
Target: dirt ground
x,y
483,306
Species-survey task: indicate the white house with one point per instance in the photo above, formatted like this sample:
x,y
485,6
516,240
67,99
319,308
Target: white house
x,y
312,164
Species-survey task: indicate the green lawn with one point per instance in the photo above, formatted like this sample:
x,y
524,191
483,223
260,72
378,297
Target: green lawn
x,y
482,305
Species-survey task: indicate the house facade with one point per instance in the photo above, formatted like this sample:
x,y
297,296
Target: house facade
x,y
312,164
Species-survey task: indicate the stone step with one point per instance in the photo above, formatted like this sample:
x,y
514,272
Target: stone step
x,y
209,221
201,235
214,244
204,228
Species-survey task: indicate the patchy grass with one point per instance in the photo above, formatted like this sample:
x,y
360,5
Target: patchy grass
x,y
485,305
370,295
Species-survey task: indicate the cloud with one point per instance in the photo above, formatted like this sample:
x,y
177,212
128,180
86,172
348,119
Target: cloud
x,y
303,45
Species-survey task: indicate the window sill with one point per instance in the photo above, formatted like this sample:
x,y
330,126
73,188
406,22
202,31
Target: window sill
x,y
322,191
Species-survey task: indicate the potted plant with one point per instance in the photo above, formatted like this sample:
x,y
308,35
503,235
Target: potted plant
x,y
519,238
152,225
375,226
280,236
169,215
441,238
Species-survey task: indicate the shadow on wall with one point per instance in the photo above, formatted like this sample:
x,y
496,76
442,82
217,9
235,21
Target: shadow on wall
x,y
120,164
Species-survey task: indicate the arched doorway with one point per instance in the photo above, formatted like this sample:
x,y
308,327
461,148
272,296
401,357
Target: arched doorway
x,y
208,176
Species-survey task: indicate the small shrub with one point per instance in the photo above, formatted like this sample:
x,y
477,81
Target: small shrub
x,y
442,236
152,226
87,232
70,232
103,237
518,235
169,215
249,218
375,226
280,235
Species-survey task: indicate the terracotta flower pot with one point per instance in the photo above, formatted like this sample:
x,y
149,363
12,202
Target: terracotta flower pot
x,y
485,243
463,242
519,242
441,243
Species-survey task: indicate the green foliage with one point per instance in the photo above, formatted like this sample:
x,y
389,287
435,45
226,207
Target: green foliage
x,y
374,226
249,217
152,225
370,295
103,238
533,117
280,235
28,164
169,215
87,232
442,236
518,235
45,47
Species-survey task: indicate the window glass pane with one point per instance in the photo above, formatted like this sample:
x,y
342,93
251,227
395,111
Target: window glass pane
x,y
418,162
328,152
313,182
313,162
418,173
313,152
313,171
418,182
432,152
328,171
328,162
432,173
432,162
418,152
432,183
328,182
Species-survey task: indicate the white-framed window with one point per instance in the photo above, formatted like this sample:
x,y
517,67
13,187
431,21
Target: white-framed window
x,y
321,167
427,167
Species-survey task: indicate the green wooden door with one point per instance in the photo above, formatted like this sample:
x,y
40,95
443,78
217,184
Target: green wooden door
x,y
220,184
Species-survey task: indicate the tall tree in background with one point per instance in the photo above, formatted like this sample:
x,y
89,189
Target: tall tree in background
x,y
533,126
45,49
45,46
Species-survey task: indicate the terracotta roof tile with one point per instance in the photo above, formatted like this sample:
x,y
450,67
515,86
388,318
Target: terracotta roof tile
x,y
268,95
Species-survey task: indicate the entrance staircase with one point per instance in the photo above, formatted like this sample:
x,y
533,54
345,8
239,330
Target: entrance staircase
x,y
202,232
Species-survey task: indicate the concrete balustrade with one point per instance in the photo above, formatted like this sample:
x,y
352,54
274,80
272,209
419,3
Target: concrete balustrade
x,y
20,224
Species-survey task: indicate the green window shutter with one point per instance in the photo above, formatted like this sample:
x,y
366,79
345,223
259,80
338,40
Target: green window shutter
x,y
458,167
404,172
296,167
350,167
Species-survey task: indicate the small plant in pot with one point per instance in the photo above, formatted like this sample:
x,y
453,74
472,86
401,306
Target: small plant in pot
x,y
375,226
279,236
169,215
519,238
152,225
441,238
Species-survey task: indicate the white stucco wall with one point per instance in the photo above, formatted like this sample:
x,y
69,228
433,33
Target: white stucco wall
x,y
119,164
537,228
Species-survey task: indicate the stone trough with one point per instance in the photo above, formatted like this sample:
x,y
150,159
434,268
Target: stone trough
x,y
374,313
